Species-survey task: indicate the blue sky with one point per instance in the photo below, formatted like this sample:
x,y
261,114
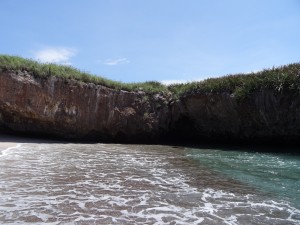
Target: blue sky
x,y
163,40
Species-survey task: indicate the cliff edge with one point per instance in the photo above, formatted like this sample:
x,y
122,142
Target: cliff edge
x,y
263,107
72,109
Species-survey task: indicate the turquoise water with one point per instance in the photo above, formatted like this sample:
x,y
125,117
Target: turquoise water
x,y
69,183
274,175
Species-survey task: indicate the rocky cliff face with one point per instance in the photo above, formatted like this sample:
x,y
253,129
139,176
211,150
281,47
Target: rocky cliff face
x,y
72,109
264,116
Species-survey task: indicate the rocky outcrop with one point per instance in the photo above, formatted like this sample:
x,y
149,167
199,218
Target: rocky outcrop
x,y
72,109
264,116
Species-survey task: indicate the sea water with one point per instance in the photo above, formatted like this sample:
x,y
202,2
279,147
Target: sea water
x,y
59,183
274,174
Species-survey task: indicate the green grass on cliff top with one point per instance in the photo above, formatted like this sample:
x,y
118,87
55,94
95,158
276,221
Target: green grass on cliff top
x,y
284,78
241,85
49,69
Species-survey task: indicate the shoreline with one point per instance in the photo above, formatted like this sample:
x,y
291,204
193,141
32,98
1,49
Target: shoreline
x,y
7,145
8,142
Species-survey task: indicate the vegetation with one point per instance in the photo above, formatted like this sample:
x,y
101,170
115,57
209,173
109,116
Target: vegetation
x,y
285,78
241,85
45,70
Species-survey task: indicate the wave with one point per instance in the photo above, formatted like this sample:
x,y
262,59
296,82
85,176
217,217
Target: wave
x,y
6,151
123,184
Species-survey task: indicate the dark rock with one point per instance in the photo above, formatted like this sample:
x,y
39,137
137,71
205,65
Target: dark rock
x,y
72,109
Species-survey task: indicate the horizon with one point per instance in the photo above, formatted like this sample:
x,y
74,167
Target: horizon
x,y
169,41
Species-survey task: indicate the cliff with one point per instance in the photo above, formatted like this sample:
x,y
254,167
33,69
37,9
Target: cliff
x,y
72,109
234,108
266,116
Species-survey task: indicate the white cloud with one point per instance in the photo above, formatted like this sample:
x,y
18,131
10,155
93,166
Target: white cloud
x,y
254,71
55,55
169,82
114,62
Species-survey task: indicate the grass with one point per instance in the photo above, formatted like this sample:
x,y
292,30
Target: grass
x,y
285,78
44,70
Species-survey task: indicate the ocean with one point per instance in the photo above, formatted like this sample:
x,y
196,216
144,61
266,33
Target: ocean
x,y
67,183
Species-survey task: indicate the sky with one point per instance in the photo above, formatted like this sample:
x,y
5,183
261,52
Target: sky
x,y
162,40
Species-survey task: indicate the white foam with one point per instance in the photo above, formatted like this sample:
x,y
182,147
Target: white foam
x,y
6,151
113,184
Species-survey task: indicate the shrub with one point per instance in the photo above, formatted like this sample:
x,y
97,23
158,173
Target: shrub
x,y
285,78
